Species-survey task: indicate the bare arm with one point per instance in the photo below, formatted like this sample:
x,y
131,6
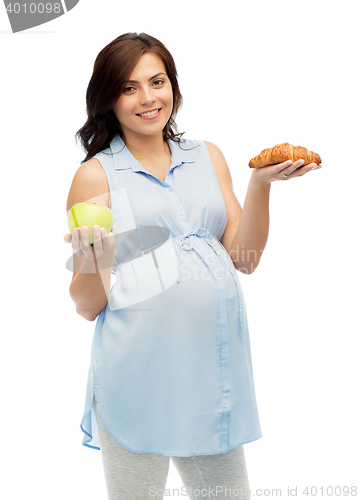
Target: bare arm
x,y
251,236
246,233
91,281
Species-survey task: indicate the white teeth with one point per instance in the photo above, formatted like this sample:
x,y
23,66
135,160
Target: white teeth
x,y
150,113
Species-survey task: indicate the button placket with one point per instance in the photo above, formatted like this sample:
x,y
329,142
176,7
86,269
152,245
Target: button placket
x,y
175,200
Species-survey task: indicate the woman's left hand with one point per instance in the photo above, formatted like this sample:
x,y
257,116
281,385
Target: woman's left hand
x,y
282,171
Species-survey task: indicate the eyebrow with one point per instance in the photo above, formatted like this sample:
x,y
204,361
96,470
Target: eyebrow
x,y
152,78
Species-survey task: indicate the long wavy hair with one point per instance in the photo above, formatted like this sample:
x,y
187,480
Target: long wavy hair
x,y
112,70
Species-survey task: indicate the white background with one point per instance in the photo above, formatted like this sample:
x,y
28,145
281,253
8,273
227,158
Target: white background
x,y
252,74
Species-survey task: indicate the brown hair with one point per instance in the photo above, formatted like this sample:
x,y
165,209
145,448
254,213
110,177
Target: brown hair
x,y
112,69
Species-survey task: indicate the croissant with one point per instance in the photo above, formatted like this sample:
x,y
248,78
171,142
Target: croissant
x,y
283,152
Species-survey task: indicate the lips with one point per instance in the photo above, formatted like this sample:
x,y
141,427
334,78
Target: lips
x,y
149,111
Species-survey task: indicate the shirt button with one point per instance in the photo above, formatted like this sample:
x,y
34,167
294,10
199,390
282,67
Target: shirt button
x,y
170,189
181,213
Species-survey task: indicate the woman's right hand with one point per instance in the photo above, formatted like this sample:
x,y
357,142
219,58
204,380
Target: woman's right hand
x,y
103,243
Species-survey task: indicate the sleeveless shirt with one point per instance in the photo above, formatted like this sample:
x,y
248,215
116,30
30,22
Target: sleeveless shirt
x,y
171,368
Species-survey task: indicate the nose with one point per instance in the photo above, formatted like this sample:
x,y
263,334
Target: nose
x,y
146,96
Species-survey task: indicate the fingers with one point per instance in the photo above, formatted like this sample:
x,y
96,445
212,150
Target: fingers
x,y
290,167
102,242
97,241
304,170
81,242
296,169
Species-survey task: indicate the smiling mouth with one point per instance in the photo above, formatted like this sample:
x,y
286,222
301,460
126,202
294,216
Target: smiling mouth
x,y
149,113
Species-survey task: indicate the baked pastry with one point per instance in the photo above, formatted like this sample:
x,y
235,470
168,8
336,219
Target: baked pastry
x,y
283,152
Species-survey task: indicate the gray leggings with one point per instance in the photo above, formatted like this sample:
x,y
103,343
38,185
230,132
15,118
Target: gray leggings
x,y
132,476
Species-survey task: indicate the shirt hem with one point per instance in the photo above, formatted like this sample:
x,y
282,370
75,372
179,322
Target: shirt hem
x,y
167,454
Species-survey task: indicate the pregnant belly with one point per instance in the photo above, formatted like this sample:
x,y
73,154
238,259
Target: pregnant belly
x,y
183,318
151,281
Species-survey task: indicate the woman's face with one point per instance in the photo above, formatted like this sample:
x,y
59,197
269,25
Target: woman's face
x,y
149,89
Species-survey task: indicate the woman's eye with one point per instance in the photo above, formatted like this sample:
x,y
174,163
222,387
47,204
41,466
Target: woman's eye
x,y
129,89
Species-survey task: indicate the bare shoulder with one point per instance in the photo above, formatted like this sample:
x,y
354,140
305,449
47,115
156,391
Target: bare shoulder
x,y
219,163
89,185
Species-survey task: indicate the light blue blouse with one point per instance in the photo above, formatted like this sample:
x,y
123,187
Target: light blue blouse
x,y
171,367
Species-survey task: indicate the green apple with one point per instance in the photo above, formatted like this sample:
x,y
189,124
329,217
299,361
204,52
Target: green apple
x,y
89,214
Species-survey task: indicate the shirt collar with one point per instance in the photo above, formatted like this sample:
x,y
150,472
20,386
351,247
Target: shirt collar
x,y
124,158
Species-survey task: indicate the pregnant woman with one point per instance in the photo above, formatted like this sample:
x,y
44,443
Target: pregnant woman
x,y
171,373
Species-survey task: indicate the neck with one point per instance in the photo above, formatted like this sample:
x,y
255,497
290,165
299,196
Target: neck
x,y
149,147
